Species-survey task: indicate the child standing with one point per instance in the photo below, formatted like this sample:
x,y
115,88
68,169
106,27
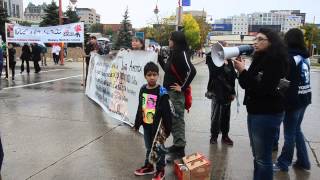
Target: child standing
x,y
154,111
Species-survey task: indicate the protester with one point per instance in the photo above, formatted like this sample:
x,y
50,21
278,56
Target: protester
x,y
221,91
36,57
95,46
44,51
25,57
154,100
1,61
65,49
56,53
12,60
179,72
297,100
137,43
91,46
264,102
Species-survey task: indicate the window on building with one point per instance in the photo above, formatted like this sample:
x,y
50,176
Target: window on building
x,y
18,11
13,10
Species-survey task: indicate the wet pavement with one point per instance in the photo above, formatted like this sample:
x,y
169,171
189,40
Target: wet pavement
x,y
52,131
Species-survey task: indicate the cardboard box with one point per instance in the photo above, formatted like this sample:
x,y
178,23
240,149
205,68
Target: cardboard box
x,y
197,167
192,157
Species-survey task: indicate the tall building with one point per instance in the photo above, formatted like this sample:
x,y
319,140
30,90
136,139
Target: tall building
x,y
249,24
34,13
240,24
279,21
14,9
292,12
88,16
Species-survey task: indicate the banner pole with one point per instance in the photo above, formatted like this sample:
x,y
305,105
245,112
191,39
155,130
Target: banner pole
x,y
83,73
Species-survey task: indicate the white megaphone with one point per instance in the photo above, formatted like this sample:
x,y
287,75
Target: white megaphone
x,y
220,53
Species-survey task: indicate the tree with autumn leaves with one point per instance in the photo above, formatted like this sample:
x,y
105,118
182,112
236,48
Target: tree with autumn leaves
x,y
192,31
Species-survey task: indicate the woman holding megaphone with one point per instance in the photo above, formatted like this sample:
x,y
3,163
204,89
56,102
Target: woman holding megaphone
x,y
265,105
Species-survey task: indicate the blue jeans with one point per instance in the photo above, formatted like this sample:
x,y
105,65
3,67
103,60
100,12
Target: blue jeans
x,y
293,136
262,133
148,140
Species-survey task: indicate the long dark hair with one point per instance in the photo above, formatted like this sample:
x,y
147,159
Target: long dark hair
x,y
179,40
294,40
277,50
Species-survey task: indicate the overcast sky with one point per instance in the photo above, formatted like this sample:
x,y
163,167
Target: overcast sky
x,y
141,11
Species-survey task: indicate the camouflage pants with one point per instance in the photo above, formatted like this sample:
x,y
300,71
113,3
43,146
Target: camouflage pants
x,y
178,124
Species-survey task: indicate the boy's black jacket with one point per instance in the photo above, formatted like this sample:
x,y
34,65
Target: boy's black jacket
x,y
163,110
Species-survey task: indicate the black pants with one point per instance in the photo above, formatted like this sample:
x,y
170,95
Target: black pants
x,y
36,66
220,119
12,66
27,64
87,68
55,58
1,154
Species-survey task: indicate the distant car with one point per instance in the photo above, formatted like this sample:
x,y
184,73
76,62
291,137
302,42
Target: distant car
x,y
103,40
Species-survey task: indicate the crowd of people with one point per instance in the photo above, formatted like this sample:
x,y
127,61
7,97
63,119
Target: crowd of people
x,y
269,98
277,89
33,52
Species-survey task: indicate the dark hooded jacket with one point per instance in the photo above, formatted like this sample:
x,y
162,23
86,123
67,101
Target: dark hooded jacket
x,y
299,92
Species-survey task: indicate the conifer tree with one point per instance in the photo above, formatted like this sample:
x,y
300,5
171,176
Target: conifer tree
x,y
125,33
72,15
3,20
52,15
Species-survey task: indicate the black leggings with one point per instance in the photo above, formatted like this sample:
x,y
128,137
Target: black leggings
x,y
12,66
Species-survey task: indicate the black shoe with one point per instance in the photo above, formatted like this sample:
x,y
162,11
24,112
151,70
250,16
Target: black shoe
x,y
172,149
298,165
213,140
227,140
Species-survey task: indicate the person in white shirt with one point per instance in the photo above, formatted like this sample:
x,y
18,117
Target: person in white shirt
x,y
55,53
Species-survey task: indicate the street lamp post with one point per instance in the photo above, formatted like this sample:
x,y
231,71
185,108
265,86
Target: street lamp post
x,y
179,15
156,11
60,22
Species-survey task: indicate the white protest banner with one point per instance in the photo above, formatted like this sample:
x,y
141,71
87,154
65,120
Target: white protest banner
x,y
69,33
115,83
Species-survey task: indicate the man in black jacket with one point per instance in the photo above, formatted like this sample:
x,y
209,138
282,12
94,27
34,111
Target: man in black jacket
x,y
221,89
36,56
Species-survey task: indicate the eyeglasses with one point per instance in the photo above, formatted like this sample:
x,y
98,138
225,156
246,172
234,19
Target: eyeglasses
x,y
259,39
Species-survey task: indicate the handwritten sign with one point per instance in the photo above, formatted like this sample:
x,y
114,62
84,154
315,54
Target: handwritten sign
x,y
115,83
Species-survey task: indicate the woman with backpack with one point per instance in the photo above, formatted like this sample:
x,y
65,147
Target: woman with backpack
x,y
297,100
179,72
